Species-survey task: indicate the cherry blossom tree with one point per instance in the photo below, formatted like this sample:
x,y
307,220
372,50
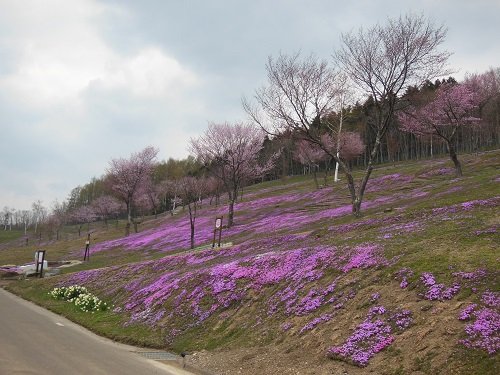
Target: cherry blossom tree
x,y
453,107
106,207
128,176
347,145
487,87
309,154
214,189
83,215
231,153
151,194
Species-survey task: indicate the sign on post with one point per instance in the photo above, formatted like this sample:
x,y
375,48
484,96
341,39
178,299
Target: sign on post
x,y
39,259
86,256
218,227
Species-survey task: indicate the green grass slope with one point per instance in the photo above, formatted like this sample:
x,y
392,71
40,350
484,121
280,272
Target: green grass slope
x,y
410,287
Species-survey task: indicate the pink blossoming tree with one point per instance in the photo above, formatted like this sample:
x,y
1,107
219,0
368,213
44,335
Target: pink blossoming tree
x,y
127,177
106,207
231,154
83,215
309,154
452,107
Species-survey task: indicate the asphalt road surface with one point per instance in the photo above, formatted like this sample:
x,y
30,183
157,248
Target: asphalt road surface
x,y
36,341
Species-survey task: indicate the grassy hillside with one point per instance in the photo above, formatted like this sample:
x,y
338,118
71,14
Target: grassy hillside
x,y
305,287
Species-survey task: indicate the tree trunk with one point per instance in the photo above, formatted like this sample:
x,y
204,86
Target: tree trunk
x,y
129,219
454,158
315,175
192,218
336,175
355,200
232,199
356,207
325,177
192,235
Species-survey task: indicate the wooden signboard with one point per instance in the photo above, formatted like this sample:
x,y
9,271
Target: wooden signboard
x,y
39,259
218,227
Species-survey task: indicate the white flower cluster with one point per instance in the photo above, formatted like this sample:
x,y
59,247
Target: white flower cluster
x,y
89,303
80,296
58,293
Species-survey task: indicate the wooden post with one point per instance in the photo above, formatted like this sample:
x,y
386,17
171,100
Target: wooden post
x,y
39,259
86,256
218,227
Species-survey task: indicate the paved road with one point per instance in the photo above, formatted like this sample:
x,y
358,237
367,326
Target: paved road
x,y
36,341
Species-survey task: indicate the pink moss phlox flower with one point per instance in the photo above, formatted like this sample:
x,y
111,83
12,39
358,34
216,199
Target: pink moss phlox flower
x,y
381,183
372,335
484,332
428,279
435,291
491,299
364,256
466,313
376,310
465,206
472,276
401,318
368,338
403,275
313,323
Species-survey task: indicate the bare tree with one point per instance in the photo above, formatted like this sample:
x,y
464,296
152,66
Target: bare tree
x,y
190,190
300,97
59,216
39,214
383,61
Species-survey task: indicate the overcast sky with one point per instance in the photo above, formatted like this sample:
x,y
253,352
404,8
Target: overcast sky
x,y
85,81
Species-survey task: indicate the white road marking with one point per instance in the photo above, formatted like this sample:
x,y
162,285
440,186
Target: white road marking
x,y
60,324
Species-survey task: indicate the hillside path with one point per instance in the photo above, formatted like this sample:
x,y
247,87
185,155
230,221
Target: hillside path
x,y
36,341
